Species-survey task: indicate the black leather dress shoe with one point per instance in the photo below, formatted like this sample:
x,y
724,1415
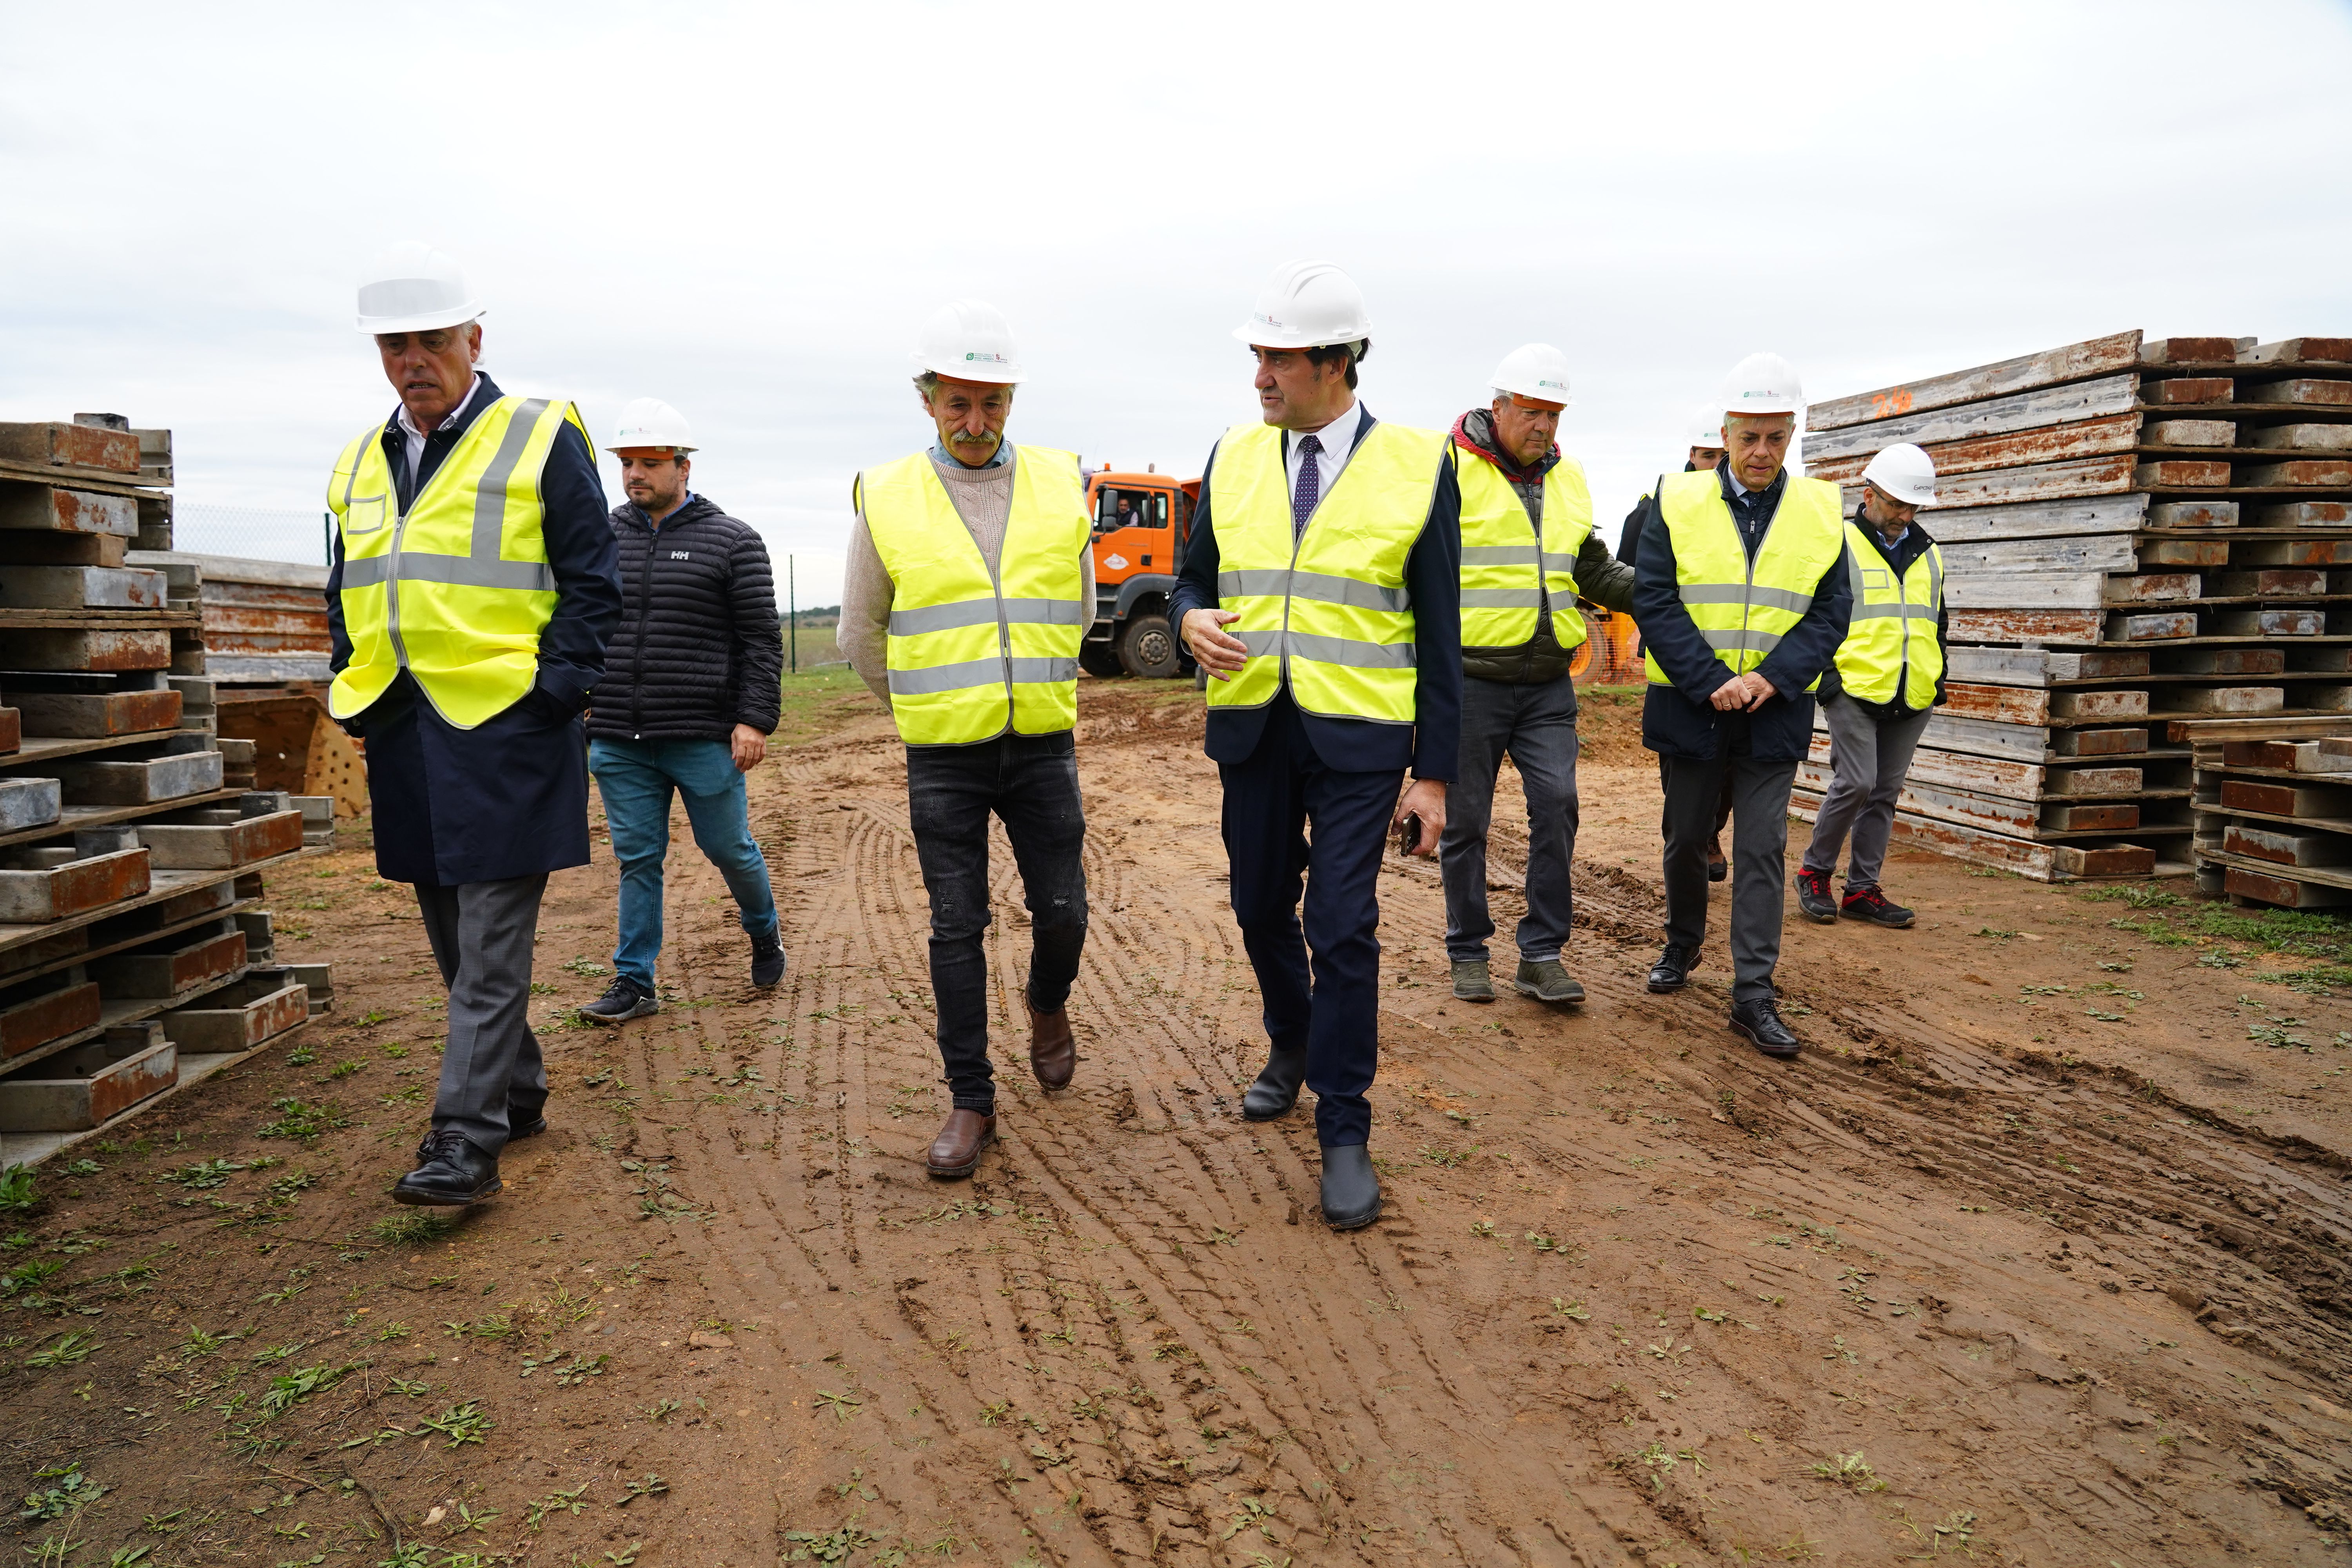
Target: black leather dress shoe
x,y
1277,1088
450,1173
1672,971
1351,1188
1761,1022
519,1126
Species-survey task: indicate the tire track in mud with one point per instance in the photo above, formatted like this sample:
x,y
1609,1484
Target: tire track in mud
x,y
1131,1334
2148,1193
1123,1257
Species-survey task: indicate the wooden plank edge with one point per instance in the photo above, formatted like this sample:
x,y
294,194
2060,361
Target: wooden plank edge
x,y
109,817
18,935
194,1071
18,976
129,1010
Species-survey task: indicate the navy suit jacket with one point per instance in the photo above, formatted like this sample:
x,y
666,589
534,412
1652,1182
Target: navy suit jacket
x,y
509,798
1430,746
1677,719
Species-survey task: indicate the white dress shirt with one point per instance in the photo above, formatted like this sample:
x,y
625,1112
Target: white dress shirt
x,y
413,439
1338,439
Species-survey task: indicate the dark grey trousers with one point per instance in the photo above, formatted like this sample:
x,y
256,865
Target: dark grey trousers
x,y
1868,761
1536,725
491,1075
1760,854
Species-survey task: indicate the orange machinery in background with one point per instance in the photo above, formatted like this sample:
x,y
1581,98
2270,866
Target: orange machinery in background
x,y
1611,652
1141,521
1140,524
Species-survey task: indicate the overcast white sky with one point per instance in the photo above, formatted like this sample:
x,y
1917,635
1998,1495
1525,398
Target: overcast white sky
x,y
748,211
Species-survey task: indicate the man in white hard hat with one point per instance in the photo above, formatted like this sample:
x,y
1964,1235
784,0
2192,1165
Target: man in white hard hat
x,y
968,588
690,696
1320,590
1528,551
1888,678
1741,596
1705,452
471,594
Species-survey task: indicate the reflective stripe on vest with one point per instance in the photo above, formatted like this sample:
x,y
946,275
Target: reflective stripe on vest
x,y
458,589
1501,558
1743,608
973,655
1882,654
1327,609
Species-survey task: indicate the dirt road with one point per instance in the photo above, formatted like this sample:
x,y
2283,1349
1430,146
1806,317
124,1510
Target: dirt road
x,y
2037,1256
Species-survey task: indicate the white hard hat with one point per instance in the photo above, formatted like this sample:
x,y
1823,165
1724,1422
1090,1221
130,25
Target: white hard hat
x,y
1307,305
1533,370
650,422
1906,472
413,287
1707,429
971,341
1763,384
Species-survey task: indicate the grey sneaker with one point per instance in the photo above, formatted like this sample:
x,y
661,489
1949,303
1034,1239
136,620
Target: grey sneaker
x,y
621,1002
1547,981
1470,982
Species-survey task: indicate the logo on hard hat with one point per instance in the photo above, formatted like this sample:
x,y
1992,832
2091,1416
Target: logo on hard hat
x,y
1562,385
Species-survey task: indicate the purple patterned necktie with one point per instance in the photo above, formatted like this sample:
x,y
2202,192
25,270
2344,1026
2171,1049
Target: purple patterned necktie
x,y
1310,484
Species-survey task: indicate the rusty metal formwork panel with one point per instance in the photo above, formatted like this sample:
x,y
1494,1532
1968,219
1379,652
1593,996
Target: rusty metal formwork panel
x,y
2139,532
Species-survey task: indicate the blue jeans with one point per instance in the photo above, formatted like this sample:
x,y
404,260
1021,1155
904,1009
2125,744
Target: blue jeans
x,y
636,778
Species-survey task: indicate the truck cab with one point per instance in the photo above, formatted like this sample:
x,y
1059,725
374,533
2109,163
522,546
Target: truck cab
x,y
1141,521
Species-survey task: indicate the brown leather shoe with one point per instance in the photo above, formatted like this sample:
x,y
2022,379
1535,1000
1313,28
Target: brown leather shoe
x,y
1053,1049
957,1149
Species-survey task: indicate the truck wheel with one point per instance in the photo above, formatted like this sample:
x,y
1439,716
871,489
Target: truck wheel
x,y
1147,648
1100,658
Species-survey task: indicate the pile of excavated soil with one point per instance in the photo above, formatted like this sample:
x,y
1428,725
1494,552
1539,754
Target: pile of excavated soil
x,y
2036,1256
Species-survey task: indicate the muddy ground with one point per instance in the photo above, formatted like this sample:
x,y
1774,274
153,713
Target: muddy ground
x,y
2037,1256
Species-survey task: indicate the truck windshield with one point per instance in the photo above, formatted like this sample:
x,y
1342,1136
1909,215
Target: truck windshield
x,y
1117,508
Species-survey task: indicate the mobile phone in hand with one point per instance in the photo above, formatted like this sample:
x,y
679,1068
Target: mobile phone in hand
x,y
1409,834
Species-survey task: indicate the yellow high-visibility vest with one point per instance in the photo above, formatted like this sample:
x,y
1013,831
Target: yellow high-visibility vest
x,y
973,655
458,589
1743,608
1890,643
1502,563
1325,609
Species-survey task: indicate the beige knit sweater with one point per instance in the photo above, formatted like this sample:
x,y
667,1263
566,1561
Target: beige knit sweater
x,y
984,499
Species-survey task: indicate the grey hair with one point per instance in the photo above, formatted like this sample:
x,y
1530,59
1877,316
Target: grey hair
x,y
928,383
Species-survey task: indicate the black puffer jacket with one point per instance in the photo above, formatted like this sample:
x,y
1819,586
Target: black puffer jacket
x,y
699,650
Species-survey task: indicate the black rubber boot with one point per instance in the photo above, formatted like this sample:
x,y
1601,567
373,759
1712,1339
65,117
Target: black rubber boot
x,y
1351,1187
1277,1088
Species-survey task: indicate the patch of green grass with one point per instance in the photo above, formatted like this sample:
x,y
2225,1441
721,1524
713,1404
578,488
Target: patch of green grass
x,y
411,1228
2175,921
16,1190
202,1174
818,701
303,1121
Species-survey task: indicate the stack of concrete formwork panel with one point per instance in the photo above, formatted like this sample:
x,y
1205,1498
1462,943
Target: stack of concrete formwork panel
x,y
264,622
2134,530
2273,809
121,839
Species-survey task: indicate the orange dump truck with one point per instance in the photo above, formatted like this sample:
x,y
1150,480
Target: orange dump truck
x,y
1141,521
1140,524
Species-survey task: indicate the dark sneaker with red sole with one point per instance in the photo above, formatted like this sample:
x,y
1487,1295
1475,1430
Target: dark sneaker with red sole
x,y
1872,905
1813,897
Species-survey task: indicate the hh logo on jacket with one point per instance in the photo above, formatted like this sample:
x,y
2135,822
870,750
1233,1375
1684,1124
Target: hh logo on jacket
x,y
679,555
